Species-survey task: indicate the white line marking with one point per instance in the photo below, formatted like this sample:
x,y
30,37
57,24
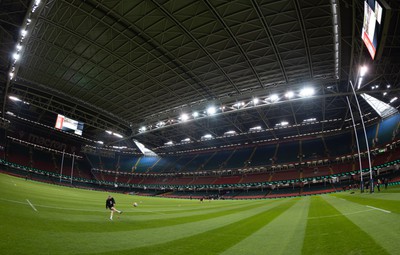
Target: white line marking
x,y
29,202
337,215
379,209
74,209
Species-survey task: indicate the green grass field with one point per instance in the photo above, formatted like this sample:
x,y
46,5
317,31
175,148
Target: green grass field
x,y
38,218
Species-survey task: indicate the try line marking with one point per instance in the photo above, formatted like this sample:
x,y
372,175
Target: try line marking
x,y
379,209
29,202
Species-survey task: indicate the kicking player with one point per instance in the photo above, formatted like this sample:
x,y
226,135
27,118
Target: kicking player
x,y
110,202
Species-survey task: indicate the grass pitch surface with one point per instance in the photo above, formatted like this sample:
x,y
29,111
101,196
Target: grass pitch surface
x,y
38,218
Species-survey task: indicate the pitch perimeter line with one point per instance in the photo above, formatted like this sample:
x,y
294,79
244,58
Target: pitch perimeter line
x,y
379,209
29,202
338,215
74,209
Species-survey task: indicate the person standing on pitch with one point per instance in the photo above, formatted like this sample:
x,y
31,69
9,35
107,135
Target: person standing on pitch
x,y
110,202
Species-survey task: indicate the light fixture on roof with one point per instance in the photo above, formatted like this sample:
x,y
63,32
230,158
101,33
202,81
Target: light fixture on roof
x,y
19,47
16,56
195,114
206,136
14,98
24,32
186,140
388,86
306,92
118,135
238,104
393,99
142,129
255,101
160,124
256,128
169,143
100,142
289,94
211,110
273,98
363,70
310,120
230,132
184,117
384,93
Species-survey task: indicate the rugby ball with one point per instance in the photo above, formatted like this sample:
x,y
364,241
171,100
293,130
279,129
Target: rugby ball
x,y
135,204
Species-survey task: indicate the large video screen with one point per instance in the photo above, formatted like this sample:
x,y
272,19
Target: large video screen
x,y
372,25
69,125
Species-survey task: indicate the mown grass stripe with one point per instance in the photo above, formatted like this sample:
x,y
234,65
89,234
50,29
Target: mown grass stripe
x,y
335,235
283,235
219,239
382,227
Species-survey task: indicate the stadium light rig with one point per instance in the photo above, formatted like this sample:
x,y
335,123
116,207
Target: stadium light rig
x,y
211,110
289,94
26,24
306,92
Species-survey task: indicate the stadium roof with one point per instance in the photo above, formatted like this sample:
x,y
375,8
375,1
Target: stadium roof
x,y
124,65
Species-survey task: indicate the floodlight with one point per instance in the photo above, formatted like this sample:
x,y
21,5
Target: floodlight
x,y
289,94
108,132
255,128
14,98
274,98
211,110
142,129
307,92
310,120
186,140
118,135
255,101
100,142
207,136
384,93
230,132
160,124
238,104
393,99
284,123
363,71
16,56
169,143
184,117
388,86
195,114
24,32
19,47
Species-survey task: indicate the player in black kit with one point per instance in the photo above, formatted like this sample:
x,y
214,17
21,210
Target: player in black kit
x,y
110,202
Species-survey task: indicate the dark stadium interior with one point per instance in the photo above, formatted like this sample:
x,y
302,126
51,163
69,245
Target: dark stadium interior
x,y
149,71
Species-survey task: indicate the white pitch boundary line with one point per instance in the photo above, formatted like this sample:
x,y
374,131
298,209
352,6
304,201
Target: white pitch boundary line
x,y
71,209
379,209
29,202
337,215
